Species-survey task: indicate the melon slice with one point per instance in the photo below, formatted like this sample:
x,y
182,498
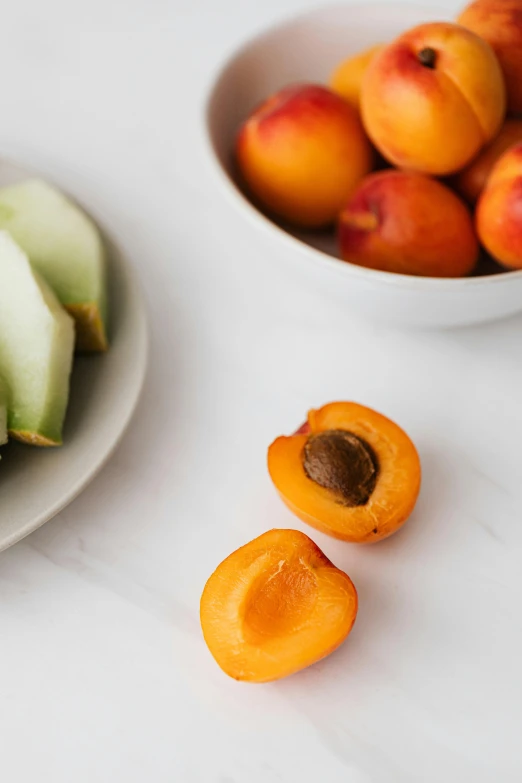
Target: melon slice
x,y
66,248
36,349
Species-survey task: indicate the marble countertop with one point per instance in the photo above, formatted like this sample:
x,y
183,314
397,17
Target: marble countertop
x,y
104,675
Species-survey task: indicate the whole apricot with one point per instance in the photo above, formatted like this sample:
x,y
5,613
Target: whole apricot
x,y
275,606
433,98
499,22
347,78
302,153
409,224
499,210
471,180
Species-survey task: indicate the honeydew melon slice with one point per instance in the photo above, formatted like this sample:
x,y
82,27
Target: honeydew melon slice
x,y
65,247
36,349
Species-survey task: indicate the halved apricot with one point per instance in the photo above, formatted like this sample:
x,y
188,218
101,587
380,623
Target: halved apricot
x,y
349,472
275,606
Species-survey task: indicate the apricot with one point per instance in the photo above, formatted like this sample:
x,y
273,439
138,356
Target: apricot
x,y
351,472
347,78
409,224
499,22
471,180
275,606
302,153
433,98
499,210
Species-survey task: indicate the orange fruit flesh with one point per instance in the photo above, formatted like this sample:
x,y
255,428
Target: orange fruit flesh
x,y
276,606
397,486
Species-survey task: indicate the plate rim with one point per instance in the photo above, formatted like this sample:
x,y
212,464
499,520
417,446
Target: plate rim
x,y
141,330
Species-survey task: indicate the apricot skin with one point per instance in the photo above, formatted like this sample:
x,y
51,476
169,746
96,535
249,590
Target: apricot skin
x,y
408,224
397,487
499,210
433,119
470,182
302,153
276,606
499,22
346,80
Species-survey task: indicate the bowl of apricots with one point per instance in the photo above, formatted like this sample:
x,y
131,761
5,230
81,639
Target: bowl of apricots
x,y
378,148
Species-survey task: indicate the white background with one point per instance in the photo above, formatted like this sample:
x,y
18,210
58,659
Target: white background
x,y
103,672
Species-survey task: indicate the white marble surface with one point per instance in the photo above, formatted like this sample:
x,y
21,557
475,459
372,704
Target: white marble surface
x,y
103,672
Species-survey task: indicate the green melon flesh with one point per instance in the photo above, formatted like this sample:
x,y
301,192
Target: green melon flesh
x,y
3,413
36,349
66,248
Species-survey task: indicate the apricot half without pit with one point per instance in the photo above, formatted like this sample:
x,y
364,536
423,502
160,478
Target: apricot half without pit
x,y
349,472
275,606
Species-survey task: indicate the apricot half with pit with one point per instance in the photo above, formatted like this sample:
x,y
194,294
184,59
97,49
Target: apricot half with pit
x,y
275,606
349,472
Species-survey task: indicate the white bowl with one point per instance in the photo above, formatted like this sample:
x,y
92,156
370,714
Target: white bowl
x,y
306,48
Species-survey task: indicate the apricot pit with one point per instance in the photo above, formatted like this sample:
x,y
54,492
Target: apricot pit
x,y
342,462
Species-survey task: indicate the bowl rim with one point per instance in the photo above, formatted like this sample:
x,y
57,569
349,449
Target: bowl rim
x,y
254,215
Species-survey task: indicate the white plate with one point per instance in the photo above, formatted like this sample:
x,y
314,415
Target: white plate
x,y
306,48
35,484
